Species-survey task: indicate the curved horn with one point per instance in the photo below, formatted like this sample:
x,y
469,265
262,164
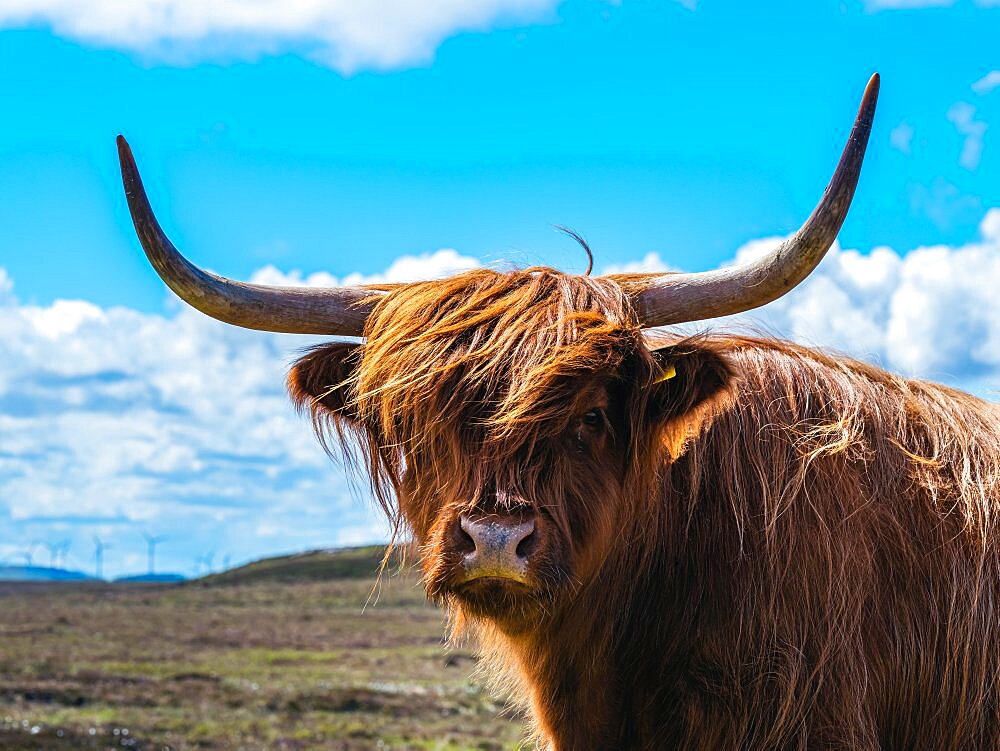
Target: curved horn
x,y
292,310
662,299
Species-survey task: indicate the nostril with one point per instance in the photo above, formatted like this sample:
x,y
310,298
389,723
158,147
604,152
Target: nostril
x,y
463,541
527,546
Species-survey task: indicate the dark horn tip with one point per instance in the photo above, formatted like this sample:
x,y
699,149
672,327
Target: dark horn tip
x,y
126,161
123,147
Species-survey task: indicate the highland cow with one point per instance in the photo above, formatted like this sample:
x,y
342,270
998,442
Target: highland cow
x,y
665,542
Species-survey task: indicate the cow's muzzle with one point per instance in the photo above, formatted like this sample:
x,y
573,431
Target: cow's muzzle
x,y
496,546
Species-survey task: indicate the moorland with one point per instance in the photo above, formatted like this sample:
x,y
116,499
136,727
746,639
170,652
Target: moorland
x,y
299,652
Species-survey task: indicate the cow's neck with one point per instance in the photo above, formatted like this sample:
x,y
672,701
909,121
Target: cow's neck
x,y
570,687
584,676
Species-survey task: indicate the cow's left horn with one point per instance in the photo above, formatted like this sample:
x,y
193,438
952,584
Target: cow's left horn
x,y
293,310
662,299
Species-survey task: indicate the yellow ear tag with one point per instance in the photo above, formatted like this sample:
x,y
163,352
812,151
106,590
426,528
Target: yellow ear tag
x,y
669,371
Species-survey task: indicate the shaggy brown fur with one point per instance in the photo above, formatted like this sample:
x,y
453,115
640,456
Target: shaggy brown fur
x,y
774,549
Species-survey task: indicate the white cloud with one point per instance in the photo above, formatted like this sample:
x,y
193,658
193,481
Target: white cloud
x,y
121,421
64,317
435,265
345,34
901,137
651,263
348,35
963,116
987,83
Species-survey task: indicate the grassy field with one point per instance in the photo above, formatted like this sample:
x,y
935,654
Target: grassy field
x,y
280,655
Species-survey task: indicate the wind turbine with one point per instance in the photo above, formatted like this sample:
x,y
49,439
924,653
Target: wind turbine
x,y
57,551
99,548
151,543
29,553
205,560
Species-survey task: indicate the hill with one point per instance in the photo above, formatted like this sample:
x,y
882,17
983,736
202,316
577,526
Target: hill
x,y
41,574
310,566
150,579
314,565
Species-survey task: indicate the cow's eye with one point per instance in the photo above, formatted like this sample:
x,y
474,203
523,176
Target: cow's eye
x,y
591,425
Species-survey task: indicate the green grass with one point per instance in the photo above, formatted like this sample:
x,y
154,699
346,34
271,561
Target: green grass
x,y
268,660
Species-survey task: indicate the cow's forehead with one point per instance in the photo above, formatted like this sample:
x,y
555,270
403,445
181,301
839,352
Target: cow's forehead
x,y
505,355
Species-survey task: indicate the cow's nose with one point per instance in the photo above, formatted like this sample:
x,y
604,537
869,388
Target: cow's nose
x,y
497,545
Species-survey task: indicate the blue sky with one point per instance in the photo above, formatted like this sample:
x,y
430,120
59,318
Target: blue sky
x,y
344,140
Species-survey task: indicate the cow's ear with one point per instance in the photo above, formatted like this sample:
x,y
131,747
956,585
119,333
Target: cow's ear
x,y
320,381
693,380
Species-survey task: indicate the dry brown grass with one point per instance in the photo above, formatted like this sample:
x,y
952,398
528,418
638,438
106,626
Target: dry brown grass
x,y
272,665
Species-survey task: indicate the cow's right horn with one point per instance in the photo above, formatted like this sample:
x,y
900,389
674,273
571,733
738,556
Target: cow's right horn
x,y
293,310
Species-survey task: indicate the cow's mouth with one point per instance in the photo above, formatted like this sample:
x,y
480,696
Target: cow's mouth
x,y
495,597
492,583
496,575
